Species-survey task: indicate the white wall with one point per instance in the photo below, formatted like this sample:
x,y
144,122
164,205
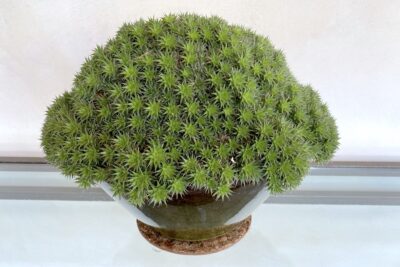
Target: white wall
x,y
348,50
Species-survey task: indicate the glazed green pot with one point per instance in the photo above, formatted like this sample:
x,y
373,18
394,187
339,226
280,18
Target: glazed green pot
x,y
198,216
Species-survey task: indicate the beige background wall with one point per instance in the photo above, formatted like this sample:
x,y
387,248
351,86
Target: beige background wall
x,y
348,50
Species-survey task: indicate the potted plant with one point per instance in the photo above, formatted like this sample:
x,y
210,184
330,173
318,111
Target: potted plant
x,y
190,123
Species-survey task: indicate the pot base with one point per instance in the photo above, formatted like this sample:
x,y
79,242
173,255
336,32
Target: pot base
x,y
195,247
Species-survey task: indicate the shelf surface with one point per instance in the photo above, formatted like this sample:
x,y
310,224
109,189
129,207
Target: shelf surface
x,y
95,233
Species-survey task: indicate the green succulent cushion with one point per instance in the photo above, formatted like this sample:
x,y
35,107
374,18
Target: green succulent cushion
x,y
182,102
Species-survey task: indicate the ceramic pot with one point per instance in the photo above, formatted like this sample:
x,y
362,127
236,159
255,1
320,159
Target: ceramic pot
x,y
197,223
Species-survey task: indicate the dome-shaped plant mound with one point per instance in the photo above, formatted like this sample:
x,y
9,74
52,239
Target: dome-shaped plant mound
x,y
187,102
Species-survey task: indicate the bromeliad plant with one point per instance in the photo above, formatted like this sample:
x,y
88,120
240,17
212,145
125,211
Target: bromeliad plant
x,y
183,102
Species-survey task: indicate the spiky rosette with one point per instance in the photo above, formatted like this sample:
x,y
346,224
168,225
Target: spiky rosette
x,y
182,102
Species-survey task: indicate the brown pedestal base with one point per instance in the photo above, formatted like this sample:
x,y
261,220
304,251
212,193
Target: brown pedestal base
x,y
190,247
